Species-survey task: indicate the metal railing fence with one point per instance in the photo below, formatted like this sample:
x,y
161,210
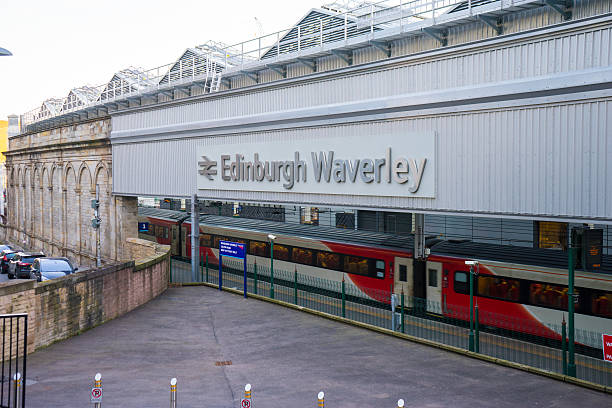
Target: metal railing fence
x,y
14,360
334,29
513,339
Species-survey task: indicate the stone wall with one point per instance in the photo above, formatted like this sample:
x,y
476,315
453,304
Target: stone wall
x,y
52,178
61,308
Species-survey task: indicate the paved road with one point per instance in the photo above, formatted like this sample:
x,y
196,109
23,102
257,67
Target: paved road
x,y
287,355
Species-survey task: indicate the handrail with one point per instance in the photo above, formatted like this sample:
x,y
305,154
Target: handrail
x,y
301,40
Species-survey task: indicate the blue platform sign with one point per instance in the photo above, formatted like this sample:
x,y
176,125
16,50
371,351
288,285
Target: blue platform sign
x,y
143,227
233,249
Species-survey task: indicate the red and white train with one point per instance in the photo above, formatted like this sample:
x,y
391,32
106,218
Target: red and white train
x,y
517,288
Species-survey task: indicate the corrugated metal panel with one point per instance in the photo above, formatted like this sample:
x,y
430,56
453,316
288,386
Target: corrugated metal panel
x,y
586,48
329,63
543,160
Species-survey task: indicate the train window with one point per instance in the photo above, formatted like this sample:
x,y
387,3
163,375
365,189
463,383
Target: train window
x,y
601,304
433,278
259,248
380,268
174,234
554,296
499,287
159,231
281,253
461,283
356,265
302,256
403,273
328,260
166,232
205,240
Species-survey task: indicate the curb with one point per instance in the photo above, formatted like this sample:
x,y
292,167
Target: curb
x,y
453,349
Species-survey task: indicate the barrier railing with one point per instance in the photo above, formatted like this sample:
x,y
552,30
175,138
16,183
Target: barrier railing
x,y
500,336
14,360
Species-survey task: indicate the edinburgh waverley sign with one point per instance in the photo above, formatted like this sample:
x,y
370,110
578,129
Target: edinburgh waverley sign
x,y
387,165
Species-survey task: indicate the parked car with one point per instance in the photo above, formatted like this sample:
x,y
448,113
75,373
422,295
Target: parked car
x,y
7,246
43,269
19,266
5,257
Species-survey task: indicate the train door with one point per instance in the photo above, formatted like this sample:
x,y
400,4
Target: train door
x,y
402,276
434,287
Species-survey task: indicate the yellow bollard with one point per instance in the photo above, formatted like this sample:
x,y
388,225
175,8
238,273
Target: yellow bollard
x,y
321,397
17,380
247,391
400,403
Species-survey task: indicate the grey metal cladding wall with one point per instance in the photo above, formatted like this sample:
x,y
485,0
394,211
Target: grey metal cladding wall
x,y
566,51
546,160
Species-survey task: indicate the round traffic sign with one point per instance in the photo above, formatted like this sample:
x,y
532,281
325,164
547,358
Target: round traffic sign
x,y
96,392
245,403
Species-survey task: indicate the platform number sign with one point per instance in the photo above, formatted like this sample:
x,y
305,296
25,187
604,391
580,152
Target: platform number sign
x,y
245,403
96,394
607,347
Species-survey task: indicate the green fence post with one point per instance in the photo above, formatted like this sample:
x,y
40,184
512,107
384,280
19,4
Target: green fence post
x,y
201,269
206,266
571,365
271,268
563,348
402,312
477,334
255,278
343,298
295,299
171,269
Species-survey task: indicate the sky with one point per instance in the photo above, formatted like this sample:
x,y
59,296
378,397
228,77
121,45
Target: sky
x,y
58,45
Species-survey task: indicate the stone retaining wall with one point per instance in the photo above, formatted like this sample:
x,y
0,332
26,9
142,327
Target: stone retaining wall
x,y
64,307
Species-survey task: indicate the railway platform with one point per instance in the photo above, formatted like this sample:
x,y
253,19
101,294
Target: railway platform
x,y
215,342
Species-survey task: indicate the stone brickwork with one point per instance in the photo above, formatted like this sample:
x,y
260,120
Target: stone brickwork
x,y
52,178
64,307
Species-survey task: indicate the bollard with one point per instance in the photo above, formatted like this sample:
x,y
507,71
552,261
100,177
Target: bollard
x,y
17,384
173,393
321,398
247,391
98,384
400,403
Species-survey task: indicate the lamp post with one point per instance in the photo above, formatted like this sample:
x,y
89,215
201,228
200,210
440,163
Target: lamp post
x,y
471,335
271,238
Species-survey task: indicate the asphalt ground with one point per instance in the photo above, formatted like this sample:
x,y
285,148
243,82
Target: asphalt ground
x,y
288,356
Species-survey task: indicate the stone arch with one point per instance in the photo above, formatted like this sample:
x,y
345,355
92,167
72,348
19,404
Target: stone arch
x,y
85,172
36,203
46,213
19,198
56,204
102,178
87,242
72,209
11,195
27,198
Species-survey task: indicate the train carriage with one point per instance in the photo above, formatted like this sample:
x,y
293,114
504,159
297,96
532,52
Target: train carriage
x,y
517,288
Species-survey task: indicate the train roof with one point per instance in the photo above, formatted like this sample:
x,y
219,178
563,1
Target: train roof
x,y
366,238
170,215
513,254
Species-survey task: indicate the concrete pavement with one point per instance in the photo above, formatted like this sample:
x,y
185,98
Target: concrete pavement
x,y
287,356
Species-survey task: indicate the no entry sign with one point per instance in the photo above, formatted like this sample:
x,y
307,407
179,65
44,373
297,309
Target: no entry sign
x,y
607,346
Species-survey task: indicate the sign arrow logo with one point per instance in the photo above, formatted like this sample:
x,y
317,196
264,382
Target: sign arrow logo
x,y
207,167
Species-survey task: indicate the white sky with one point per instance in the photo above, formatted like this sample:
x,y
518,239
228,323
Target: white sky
x,y
58,45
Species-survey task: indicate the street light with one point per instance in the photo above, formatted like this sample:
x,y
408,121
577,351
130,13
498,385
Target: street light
x,y
471,264
271,238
